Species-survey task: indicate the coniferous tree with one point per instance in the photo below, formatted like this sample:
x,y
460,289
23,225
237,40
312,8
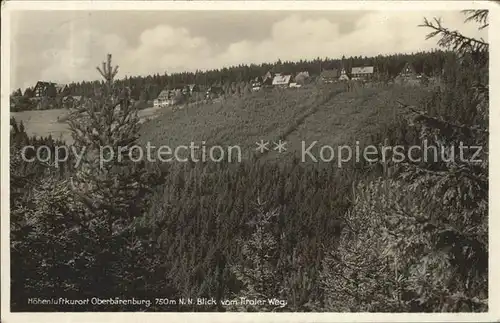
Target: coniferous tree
x,y
413,251
113,188
258,268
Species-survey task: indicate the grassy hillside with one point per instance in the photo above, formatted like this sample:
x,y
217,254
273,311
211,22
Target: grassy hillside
x,y
42,123
329,114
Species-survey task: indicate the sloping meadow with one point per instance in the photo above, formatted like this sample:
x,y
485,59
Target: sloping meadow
x,y
329,115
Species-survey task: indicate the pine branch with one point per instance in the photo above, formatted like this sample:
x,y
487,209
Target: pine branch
x,y
464,171
453,39
108,72
439,123
479,16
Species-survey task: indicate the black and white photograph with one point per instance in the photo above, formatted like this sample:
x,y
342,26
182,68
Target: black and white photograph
x,y
245,159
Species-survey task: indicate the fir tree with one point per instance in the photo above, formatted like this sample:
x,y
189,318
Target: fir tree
x,y
113,189
259,269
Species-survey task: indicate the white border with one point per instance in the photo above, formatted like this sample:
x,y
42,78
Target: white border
x,y
494,245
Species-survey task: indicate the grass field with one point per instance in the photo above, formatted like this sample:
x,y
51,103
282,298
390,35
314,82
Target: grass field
x,y
45,122
327,114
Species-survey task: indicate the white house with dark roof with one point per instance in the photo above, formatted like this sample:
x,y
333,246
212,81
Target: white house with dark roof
x,y
281,80
365,72
163,99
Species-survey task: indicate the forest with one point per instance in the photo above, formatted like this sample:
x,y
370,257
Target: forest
x,y
390,237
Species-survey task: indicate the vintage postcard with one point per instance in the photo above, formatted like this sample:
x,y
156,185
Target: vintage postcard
x,y
248,160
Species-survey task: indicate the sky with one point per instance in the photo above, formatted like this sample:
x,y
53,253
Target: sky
x,y
66,46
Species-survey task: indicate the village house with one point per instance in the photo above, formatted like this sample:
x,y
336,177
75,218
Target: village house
x,y
214,92
329,76
188,90
362,73
281,80
185,90
267,79
343,75
49,89
408,76
43,89
193,88
61,89
256,83
163,99
408,71
173,94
